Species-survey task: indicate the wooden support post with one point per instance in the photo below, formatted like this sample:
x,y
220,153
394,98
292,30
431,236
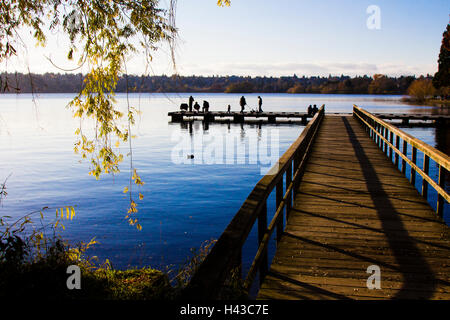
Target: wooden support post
x,y
271,119
304,119
238,263
387,138
377,128
262,229
280,222
238,118
426,168
296,165
413,172
177,117
288,182
391,140
440,200
208,117
405,121
405,152
397,145
374,130
381,140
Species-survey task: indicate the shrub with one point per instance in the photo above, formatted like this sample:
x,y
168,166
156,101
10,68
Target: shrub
x,y
421,89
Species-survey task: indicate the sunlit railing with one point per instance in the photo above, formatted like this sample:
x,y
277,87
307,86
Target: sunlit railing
x,y
226,255
383,134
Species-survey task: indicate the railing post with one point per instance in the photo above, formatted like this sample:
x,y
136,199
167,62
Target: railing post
x,y
414,160
397,145
374,134
426,169
440,200
405,152
391,140
379,136
288,182
280,222
386,136
262,229
296,165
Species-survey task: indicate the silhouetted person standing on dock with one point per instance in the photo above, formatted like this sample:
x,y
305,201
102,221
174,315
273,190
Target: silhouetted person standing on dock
x,y
259,104
205,106
229,109
196,106
191,101
310,110
242,102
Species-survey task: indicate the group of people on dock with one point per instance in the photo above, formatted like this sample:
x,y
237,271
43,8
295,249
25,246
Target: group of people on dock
x,y
196,106
312,110
191,105
243,103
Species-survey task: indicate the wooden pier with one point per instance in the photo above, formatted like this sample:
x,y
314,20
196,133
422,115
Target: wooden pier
x,y
440,120
343,205
271,117
238,117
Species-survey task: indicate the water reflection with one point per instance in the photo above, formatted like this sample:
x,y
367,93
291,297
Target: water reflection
x,y
442,138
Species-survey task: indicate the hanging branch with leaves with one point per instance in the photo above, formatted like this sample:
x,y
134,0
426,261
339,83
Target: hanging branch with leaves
x,y
104,34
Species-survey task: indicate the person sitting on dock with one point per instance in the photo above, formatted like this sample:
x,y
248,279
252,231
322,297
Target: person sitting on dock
x,y
315,109
205,106
259,104
229,109
242,102
184,107
196,106
191,101
310,110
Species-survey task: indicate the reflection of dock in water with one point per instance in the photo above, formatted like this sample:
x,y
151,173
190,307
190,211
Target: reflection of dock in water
x,y
239,117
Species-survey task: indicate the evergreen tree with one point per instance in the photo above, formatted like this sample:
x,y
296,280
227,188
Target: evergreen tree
x,y
442,77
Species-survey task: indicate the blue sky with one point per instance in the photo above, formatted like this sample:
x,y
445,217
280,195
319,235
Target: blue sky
x,y
283,37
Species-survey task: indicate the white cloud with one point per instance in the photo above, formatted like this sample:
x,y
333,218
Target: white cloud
x,y
307,69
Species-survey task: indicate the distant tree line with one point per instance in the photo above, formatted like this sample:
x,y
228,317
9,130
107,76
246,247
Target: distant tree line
x,y
72,83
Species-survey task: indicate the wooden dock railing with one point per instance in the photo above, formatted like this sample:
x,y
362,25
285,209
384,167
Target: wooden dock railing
x,y
383,134
226,255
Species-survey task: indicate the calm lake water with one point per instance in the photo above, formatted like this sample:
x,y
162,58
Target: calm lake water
x,y
187,201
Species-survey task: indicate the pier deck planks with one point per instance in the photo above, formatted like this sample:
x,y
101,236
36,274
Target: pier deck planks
x,y
354,209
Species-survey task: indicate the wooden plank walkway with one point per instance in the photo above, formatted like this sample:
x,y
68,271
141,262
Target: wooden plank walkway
x,y
354,209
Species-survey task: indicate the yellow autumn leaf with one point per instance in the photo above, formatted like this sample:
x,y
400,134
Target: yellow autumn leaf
x,y
141,196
